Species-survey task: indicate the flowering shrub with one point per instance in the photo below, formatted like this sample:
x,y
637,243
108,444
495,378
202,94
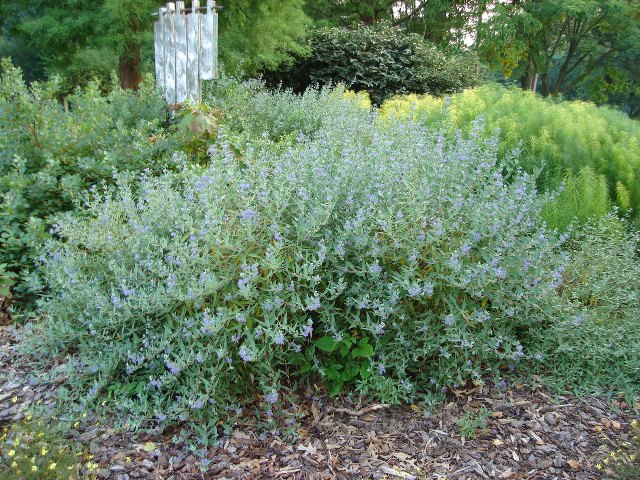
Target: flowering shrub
x,y
554,136
251,111
372,257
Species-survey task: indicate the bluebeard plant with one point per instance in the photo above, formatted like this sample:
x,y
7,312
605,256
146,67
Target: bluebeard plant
x,y
422,259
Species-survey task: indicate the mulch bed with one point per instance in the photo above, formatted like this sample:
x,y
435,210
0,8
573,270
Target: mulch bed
x,y
530,434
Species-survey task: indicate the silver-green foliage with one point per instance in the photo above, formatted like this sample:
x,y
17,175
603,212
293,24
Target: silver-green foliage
x,y
597,349
418,263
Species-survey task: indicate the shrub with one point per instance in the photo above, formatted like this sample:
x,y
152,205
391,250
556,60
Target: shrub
x,y
252,112
554,136
597,350
379,259
381,60
49,157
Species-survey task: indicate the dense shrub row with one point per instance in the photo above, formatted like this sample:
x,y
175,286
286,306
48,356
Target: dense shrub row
x,y
319,242
379,59
598,145
378,257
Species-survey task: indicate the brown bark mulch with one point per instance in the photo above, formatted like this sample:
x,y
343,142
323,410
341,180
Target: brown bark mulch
x,y
529,434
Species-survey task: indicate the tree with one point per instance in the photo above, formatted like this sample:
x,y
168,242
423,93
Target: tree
x,y
548,42
81,39
256,34
85,36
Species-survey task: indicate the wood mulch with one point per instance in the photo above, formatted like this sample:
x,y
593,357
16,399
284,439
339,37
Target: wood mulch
x,y
529,434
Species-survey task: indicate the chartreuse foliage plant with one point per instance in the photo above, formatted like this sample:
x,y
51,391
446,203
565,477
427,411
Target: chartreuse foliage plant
x,y
378,259
597,145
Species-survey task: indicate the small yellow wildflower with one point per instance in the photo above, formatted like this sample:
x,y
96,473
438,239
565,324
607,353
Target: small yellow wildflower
x,y
14,399
613,454
28,417
90,456
12,453
43,451
14,464
34,468
83,415
52,465
91,466
75,425
128,459
598,467
632,457
605,461
41,434
634,424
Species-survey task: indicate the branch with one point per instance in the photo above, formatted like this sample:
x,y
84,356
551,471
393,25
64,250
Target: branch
x,y
410,15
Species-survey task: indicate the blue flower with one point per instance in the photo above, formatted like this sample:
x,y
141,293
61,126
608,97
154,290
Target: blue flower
x,y
249,214
271,397
173,368
245,355
307,330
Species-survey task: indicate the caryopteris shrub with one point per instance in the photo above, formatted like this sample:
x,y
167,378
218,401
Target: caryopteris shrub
x,y
252,112
554,136
375,258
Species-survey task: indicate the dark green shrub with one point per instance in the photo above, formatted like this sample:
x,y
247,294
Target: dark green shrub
x,y
380,59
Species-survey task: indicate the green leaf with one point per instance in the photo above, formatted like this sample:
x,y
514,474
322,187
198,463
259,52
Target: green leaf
x,y
365,371
364,351
327,344
149,447
335,388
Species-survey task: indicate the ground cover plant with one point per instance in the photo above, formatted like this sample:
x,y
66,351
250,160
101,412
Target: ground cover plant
x,y
375,257
599,146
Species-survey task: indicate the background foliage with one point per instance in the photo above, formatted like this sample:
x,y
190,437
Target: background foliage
x,y
598,146
49,158
381,60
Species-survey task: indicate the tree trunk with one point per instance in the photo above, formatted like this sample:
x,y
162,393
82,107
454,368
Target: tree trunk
x,y
564,69
129,71
545,86
5,310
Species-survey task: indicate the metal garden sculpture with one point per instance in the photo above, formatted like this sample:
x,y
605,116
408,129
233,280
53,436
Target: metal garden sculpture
x,y
186,49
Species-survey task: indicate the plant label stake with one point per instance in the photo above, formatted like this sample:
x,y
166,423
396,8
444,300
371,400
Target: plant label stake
x,y
186,49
